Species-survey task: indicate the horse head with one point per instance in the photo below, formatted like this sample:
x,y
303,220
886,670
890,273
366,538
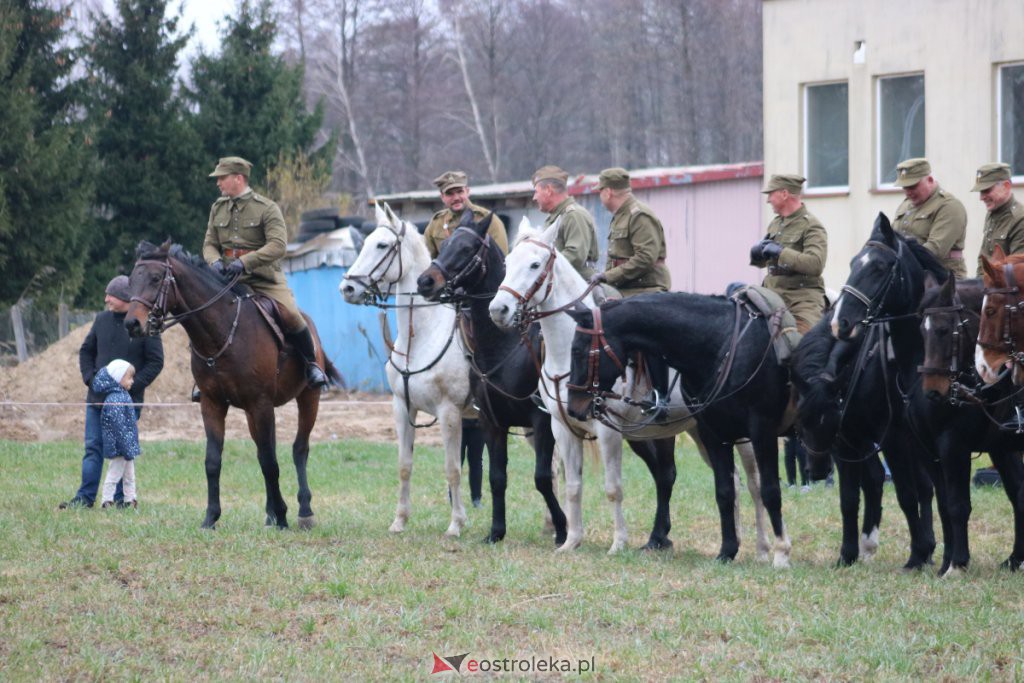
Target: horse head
x,y
597,361
886,281
462,262
529,277
819,388
392,252
949,328
1001,328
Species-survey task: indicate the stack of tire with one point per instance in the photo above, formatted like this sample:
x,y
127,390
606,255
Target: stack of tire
x,y
318,221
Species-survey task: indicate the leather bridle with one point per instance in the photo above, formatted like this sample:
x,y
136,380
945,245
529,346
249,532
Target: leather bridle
x,y
873,304
372,295
156,321
475,266
598,345
524,316
952,370
1004,328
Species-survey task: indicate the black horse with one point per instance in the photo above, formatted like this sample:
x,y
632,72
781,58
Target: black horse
x,y
727,367
506,371
503,374
957,415
839,416
881,298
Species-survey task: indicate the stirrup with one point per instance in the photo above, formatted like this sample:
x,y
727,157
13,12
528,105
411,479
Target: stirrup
x,y
656,409
196,395
1016,423
538,401
315,376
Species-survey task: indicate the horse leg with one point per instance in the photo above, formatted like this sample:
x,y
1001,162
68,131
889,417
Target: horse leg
x,y
450,420
610,446
872,483
956,468
849,507
766,448
263,432
934,471
659,456
749,461
724,469
213,423
905,479
496,438
1011,472
571,450
544,474
308,403
404,419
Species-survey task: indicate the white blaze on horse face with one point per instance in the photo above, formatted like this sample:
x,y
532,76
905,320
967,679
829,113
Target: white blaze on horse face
x,y
985,371
865,259
835,316
928,324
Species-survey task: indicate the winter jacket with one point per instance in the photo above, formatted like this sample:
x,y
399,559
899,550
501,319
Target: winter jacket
x,y
117,419
108,340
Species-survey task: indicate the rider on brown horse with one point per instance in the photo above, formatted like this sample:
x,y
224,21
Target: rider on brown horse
x,y
246,236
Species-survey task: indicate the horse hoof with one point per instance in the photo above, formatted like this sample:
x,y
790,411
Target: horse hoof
x,y
1011,563
844,562
953,572
453,531
559,539
781,561
616,548
306,523
658,544
493,538
724,559
396,527
569,545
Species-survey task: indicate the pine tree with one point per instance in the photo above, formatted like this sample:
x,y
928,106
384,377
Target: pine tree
x,y
151,161
45,172
249,101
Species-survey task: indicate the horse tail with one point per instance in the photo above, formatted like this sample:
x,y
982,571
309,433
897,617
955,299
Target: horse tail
x,y
333,374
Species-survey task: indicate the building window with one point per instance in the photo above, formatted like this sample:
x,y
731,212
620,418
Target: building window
x,y
826,137
900,124
1011,118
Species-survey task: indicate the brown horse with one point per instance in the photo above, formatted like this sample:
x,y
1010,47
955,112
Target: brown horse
x,y
237,360
1001,334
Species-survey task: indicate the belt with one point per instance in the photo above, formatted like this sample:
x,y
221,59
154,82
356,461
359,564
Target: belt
x,y
780,270
236,253
956,253
616,262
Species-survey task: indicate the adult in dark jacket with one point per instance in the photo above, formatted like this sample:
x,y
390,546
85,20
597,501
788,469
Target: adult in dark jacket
x,y
107,340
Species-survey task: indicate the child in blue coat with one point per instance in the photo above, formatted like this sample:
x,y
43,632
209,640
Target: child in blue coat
x,y
120,432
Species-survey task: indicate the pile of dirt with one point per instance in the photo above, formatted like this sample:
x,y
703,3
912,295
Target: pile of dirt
x,y
51,385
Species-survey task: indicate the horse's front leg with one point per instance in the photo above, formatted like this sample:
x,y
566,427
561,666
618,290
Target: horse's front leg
x,y
724,468
213,423
610,445
872,483
766,448
849,471
263,432
1011,472
749,461
956,468
404,419
571,451
496,439
659,456
309,404
450,420
544,474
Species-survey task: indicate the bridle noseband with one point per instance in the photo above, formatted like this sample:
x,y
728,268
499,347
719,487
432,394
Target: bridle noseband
x,y
524,316
156,321
873,305
477,263
953,372
372,296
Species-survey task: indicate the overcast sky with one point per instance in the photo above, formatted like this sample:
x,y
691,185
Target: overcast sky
x,y
203,13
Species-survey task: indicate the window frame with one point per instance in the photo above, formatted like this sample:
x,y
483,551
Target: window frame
x,y
806,154
879,183
1016,179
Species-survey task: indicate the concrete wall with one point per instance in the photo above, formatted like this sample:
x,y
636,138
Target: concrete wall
x,y
956,44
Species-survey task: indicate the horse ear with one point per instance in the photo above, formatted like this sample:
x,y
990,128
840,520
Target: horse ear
x,y
393,218
166,245
930,281
989,272
998,255
482,227
549,234
581,314
380,215
525,224
884,227
949,286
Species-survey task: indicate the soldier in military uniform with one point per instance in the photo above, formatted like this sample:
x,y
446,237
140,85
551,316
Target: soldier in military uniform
x,y
577,238
1004,222
636,239
454,187
931,215
794,251
246,236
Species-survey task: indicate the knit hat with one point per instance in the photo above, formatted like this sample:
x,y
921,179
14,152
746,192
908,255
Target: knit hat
x,y
117,369
119,287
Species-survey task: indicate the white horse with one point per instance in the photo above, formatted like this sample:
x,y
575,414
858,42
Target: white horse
x,y
427,367
541,280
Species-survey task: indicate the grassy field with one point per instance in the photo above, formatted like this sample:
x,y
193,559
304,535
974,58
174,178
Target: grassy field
x,y
114,595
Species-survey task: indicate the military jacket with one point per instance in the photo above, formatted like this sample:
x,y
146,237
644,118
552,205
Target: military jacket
x,y
249,221
1005,227
796,276
636,251
940,224
577,238
445,221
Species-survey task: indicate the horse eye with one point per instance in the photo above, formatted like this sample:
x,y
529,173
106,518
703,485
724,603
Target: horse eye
x,y
381,245
535,265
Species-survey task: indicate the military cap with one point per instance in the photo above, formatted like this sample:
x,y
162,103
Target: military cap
x,y
991,174
119,288
231,165
450,179
550,173
912,171
615,178
791,182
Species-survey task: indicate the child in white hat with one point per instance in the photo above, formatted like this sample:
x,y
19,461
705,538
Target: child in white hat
x,y
120,431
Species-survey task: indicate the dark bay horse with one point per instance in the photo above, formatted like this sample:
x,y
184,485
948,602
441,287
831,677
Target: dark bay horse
x,y
881,298
727,368
503,374
236,361
962,415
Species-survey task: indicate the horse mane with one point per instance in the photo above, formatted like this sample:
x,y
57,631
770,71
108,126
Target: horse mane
x,y
147,250
929,261
970,291
811,355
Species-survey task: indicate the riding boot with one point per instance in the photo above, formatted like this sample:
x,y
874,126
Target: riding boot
x,y
303,343
196,395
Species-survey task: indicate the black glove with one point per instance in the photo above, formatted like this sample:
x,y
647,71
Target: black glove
x,y
217,267
598,278
757,253
234,269
771,250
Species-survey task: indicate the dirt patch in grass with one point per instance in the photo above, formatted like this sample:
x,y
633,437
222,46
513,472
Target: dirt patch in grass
x,y
51,385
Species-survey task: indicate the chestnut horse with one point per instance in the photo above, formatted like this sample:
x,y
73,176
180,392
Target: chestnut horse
x,y
237,360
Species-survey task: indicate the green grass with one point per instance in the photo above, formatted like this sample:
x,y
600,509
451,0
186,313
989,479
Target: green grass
x,y
94,594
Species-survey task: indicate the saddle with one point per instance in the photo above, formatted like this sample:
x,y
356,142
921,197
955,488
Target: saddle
x,y
761,301
268,308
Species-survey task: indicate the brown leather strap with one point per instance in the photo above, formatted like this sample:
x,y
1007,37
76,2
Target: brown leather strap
x,y
616,262
236,253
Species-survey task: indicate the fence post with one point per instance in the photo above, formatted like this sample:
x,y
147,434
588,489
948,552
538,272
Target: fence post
x,y
63,323
19,333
